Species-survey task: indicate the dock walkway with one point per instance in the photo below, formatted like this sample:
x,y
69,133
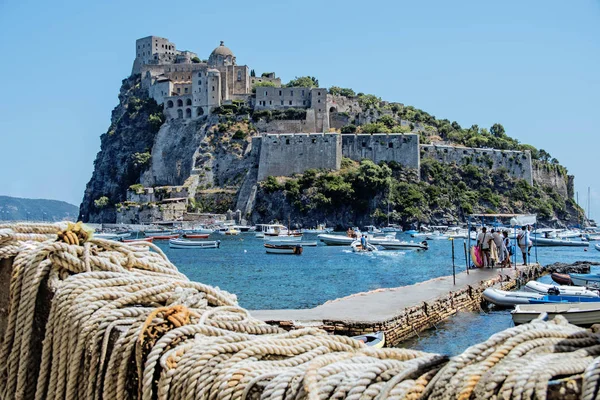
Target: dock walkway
x,y
377,309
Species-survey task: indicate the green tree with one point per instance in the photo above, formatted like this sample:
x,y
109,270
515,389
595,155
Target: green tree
x,y
388,121
367,101
262,84
252,73
335,90
348,129
303,81
375,128
196,60
497,130
266,74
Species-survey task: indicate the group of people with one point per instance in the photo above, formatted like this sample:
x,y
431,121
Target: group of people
x,y
496,248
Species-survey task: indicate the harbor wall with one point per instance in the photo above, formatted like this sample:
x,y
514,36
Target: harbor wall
x,y
401,148
288,154
517,163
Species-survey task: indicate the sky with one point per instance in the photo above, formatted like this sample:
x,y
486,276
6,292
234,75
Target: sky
x,y
533,66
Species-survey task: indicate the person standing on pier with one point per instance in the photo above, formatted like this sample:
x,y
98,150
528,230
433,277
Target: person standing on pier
x,y
523,241
506,247
497,238
483,241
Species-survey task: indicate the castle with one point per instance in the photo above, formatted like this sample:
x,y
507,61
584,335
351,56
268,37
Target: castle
x,y
189,88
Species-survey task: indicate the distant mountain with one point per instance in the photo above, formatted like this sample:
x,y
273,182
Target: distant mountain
x,y
19,209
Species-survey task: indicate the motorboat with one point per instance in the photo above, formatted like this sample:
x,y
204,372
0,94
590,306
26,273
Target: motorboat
x,y
357,247
194,244
228,231
336,240
597,247
196,235
293,242
543,288
148,239
509,299
200,230
263,230
391,228
321,228
558,242
243,228
137,237
278,248
165,237
587,280
376,340
108,236
576,313
561,279
549,298
403,245
372,230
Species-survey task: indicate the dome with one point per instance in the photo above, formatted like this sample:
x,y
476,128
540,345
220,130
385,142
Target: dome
x,y
222,50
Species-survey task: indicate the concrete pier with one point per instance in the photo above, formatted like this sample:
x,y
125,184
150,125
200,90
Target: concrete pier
x,y
404,311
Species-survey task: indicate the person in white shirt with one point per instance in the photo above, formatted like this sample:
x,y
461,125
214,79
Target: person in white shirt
x,y
483,241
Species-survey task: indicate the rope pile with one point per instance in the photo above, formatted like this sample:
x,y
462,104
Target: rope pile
x,y
123,323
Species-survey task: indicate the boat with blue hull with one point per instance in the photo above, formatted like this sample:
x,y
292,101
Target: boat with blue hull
x,y
587,280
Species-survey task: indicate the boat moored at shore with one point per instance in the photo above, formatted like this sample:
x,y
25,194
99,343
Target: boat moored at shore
x,y
194,244
584,314
276,248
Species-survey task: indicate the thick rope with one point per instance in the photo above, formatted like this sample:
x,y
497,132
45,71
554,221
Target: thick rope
x,y
123,323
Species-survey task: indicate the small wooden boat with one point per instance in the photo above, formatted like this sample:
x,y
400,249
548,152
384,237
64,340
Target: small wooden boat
x,y
283,238
228,231
576,313
509,299
277,248
293,242
543,288
196,235
194,244
148,239
587,280
376,340
561,279
358,248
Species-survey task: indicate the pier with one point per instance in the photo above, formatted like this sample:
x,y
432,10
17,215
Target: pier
x,y
405,311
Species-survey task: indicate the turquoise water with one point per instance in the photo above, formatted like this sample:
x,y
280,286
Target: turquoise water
x,y
322,273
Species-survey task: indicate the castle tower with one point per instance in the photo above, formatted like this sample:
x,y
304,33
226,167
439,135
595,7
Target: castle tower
x,y
150,49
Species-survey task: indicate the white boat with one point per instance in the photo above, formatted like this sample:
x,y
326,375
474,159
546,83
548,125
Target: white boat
x,y
375,340
372,230
194,244
321,228
575,313
158,233
402,245
358,248
558,242
587,280
509,299
597,247
293,242
543,288
336,240
200,229
263,230
278,248
108,236
392,228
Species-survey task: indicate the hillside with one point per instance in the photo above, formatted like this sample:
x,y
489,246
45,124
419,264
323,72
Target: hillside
x,y
20,209
153,168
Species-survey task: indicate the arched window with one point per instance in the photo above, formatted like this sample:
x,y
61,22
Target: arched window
x,y
199,111
188,113
199,74
188,102
179,113
170,104
332,110
179,103
239,77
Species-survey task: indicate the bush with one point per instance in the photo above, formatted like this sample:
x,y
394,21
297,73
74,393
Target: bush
x,y
239,134
271,185
348,129
262,84
196,60
303,81
138,188
141,160
101,202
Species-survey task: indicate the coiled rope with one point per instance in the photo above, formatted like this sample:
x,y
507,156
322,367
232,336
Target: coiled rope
x,y
123,323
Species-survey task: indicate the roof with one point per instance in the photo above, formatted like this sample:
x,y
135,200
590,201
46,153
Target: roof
x,y
222,50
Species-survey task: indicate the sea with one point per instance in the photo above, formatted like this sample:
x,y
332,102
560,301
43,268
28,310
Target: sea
x,y
279,281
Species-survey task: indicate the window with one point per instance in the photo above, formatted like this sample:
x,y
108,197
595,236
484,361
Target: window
x,y
318,93
319,110
280,93
391,145
290,102
213,89
138,46
185,90
239,76
281,102
291,92
188,113
170,104
199,82
287,141
179,103
303,102
178,90
314,140
270,102
364,144
303,93
265,92
188,102
318,101
179,113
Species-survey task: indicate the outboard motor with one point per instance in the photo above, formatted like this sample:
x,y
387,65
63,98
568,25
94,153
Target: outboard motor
x,y
553,291
425,244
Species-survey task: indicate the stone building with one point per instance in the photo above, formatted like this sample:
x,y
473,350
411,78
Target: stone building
x,y
189,88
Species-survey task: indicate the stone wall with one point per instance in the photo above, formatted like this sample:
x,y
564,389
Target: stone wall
x,y
401,148
281,98
518,163
288,154
149,213
285,126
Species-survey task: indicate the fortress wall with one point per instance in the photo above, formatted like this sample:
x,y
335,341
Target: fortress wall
x,y
518,163
288,154
280,98
401,148
285,126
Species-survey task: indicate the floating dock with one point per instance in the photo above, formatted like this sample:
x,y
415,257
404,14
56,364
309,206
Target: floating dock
x,y
405,311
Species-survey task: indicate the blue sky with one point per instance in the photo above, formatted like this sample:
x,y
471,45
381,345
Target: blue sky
x,y
533,66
